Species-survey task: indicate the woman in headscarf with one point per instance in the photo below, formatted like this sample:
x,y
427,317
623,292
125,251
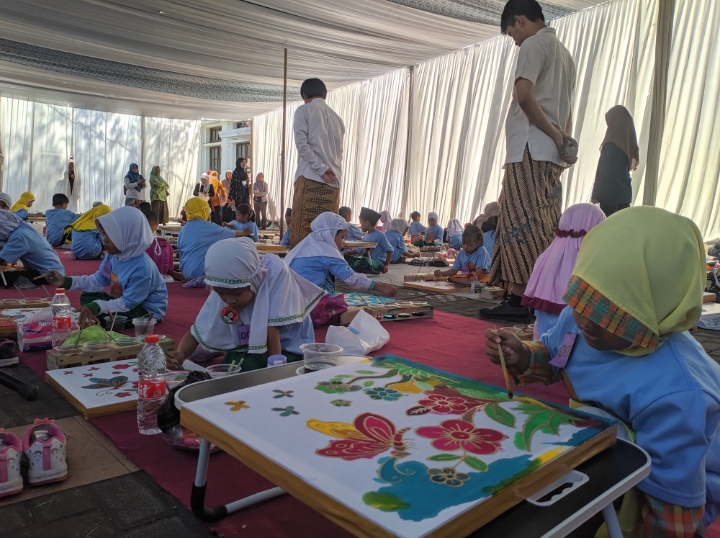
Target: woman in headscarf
x,y
630,306
19,241
257,307
227,211
196,238
491,210
318,258
240,187
22,207
434,232
454,234
217,199
619,155
87,243
551,274
5,201
204,190
135,186
126,236
260,200
396,237
385,219
159,190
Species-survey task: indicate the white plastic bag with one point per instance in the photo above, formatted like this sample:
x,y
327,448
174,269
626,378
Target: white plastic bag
x,y
363,335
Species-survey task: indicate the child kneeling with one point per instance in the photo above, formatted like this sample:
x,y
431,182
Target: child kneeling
x,y
629,309
257,307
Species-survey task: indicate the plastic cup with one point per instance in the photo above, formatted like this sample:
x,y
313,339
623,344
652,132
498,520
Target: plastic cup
x,y
318,356
142,327
118,324
222,370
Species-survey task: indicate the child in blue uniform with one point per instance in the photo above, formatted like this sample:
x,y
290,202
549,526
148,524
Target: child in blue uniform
x,y
629,309
454,234
396,237
434,231
417,230
488,229
59,219
382,253
353,233
5,201
286,236
472,259
22,207
126,236
19,241
243,222
87,243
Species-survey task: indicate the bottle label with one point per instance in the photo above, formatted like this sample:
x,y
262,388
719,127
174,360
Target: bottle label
x,y
61,322
151,388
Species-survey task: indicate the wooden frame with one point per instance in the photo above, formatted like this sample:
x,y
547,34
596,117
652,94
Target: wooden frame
x,y
437,286
120,407
112,353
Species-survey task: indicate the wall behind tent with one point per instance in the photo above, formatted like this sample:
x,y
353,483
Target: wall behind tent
x,y
38,140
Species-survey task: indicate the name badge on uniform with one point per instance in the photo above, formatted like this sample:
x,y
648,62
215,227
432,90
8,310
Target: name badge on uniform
x,y
560,360
465,270
244,333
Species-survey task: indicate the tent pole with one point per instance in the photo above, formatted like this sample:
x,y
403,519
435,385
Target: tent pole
x,y
281,217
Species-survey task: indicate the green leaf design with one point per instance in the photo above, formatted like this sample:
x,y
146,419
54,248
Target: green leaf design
x,y
387,502
341,376
544,420
476,464
482,395
444,457
368,384
367,372
423,386
500,415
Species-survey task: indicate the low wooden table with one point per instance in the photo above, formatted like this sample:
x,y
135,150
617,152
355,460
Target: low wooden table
x,y
275,249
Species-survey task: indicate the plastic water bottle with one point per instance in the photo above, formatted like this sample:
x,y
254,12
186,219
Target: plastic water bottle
x,y
61,317
151,385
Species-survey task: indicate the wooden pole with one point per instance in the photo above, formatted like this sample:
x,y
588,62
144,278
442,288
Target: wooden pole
x,y
281,218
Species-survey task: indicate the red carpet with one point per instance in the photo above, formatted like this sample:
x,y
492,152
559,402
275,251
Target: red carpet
x,y
450,342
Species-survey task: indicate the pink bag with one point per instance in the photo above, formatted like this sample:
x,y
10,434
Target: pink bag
x,y
328,308
161,252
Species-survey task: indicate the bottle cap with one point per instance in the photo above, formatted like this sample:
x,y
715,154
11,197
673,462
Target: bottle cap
x,y
59,290
152,339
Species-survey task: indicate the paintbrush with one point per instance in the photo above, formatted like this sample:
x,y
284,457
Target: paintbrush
x,y
504,368
41,276
112,326
21,293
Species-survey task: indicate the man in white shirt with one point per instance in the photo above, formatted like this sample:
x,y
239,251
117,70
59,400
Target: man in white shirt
x,y
319,133
538,151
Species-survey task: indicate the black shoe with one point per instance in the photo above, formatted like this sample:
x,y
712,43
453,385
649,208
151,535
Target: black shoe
x,y
505,312
8,353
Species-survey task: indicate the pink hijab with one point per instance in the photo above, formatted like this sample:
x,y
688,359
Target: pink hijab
x,y
552,271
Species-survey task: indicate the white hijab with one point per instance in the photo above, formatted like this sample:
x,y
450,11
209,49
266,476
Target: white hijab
x,y
399,225
433,215
281,296
386,219
454,227
129,230
8,222
321,241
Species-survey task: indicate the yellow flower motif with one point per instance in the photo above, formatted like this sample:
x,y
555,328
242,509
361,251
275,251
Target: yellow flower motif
x,y
237,406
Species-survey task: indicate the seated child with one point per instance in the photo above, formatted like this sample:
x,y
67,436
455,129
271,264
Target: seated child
x,y
59,219
434,231
19,241
317,258
196,237
473,260
286,236
245,316
385,220
354,234
160,250
22,207
551,274
396,237
145,206
126,236
381,255
87,243
488,229
454,234
417,230
630,306
244,222
5,201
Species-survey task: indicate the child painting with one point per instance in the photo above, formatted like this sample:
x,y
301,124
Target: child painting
x,y
19,241
243,222
396,237
473,260
381,255
434,231
629,310
87,243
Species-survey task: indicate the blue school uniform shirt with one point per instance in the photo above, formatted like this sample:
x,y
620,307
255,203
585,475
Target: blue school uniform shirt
x,y
437,230
28,246
57,221
22,213
286,238
235,225
416,228
354,233
670,398
397,242
455,241
140,280
480,258
194,240
489,241
318,270
382,245
544,321
86,245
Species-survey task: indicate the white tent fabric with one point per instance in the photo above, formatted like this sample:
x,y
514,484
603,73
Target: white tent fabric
x,y
39,139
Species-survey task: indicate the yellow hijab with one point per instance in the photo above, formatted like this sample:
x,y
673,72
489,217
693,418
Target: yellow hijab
x,y
22,202
86,221
640,275
197,209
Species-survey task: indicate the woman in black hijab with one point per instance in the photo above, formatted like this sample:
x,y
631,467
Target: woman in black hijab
x,y
239,187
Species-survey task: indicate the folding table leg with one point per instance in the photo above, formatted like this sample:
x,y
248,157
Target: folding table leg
x,y
197,497
611,521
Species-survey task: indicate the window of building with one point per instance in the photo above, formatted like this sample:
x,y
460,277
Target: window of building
x,y
215,134
215,162
242,150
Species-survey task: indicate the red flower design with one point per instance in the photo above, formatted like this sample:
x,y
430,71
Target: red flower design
x,y
122,394
461,435
121,366
445,401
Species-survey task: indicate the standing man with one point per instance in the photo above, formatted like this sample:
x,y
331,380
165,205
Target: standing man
x,y
539,149
319,133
